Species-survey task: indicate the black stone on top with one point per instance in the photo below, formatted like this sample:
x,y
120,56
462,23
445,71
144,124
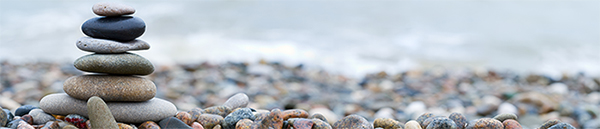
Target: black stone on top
x,y
120,28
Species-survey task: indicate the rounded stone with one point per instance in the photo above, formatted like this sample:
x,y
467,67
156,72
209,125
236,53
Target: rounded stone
x,y
294,113
230,120
209,121
412,124
318,116
40,117
486,123
110,88
185,117
424,117
127,112
124,63
239,100
119,28
110,46
320,124
353,121
112,9
3,118
549,124
459,119
27,118
562,126
274,119
386,123
149,125
244,124
77,120
218,110
100,116
173,123
24,110
511,124
197,125
505,116
441,123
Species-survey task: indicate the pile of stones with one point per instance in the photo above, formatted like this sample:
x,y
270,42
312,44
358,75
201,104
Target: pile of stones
x,y
115,72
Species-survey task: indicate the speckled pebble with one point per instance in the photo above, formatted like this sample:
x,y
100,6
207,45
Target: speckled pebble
x,y
209,121
387,123
77,120
110,46
125,64
320,124
511,124
549,124
412,124
502,117
99,114
217,127
459,119
149,125
229,122
3,118
244,124
273,120
51,125
486,123
423,117
294,113
318,116
124,126
110,88
185,117
218,110
562,126
195,113
172,122
353,121
40,117
239,100
303,124
441,123
112,9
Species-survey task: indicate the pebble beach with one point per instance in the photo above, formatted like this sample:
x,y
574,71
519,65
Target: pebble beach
x,y
113,87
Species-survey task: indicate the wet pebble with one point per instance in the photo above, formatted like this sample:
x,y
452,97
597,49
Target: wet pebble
x,y
209,121
51,125
459,119
185,117
40,117
172,122
502,117
511,124
303,124
197,125
24,125
124,126
4,118
273,120
229,122
195,113
353,121
149,125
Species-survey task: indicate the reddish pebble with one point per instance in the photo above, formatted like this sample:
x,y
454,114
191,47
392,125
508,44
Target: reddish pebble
x,y
77,120
486,123
511,124
294,113
149,125
27,118
185,117
303,124
273,120
197,125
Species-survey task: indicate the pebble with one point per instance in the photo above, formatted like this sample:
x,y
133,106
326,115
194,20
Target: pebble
x,y
185,117
239,100
318,116
502,117
412,124
387,123
70,127
218,110
197,125
152,110
172,122
4,118
273,120
24,110
303,124
511,124
149,125
24,125
486,123
507,108
9,114
385,113
217,127
13,124
562,126
195,113
124,126
549,124
330,116
421,119
353,121
441,123
99,114
77,120
40,117
209,121
27,118
51,125
459,119
244,124
229,122
112,9
110,88
120,28
110,46
125,64
294,113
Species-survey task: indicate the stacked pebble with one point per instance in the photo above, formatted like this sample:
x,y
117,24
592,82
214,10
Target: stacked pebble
x,y
115,79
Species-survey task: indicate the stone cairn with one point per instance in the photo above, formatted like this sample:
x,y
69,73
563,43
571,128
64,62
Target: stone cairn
x,y
115,72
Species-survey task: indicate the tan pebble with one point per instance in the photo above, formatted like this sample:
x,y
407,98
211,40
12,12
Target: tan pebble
x,y
244,124
239,100
149,125
112,9
217,127
185,118
273,120
505,116
549,124
124,126
486,123
412,124
197,125
294,113
99,114
218,110
195,113
386,123
209,121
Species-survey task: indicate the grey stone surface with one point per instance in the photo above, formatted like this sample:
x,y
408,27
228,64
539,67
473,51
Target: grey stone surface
x,y
154,109
110,88
40,117
125,63
110,46
239,100
119,28
112,9
100,116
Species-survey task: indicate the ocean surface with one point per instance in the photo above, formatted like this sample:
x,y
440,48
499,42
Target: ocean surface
x,y
345,37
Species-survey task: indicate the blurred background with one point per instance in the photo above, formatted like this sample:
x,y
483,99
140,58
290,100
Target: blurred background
x,y
344,37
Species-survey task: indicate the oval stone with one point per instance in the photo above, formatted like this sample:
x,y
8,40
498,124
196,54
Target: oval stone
x,y
352,121
154,109
110,46
112,9
110,88
120,28
239,100
125,63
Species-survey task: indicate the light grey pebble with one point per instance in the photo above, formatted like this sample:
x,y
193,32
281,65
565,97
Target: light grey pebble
x,y
110,46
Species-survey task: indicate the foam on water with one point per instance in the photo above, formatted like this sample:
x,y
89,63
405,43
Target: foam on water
x,y
347,37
